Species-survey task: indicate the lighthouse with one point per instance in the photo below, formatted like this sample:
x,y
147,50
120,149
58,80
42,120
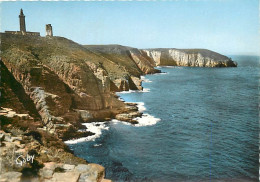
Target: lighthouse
x,y
22,22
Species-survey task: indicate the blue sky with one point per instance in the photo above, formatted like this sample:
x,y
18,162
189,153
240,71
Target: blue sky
x,y
225,26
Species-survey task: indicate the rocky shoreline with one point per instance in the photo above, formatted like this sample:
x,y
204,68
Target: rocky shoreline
x,y
51,85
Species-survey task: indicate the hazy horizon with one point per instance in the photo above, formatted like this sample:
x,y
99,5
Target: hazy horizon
x,y
229,27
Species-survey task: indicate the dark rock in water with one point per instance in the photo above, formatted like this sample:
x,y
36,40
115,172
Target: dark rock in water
x,y
119,172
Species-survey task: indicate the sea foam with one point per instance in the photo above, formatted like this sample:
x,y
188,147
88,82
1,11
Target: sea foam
x,y
94,127
145,120
97,127
141,107
145,79
133,91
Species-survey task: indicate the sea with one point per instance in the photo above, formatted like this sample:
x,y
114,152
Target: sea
x,y
199,124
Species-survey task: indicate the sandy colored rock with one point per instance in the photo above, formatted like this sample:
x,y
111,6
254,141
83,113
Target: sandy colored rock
x,y
46,173
66,177
188,57
68,167
106,180
51,165
10,177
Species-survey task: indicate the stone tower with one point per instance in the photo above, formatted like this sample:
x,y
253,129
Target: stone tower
x,y
49,30
22,21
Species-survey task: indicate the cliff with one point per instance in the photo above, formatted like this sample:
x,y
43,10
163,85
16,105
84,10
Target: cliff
x,y
50,85
188,57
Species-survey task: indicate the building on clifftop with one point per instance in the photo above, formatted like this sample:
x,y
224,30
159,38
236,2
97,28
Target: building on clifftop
x,y
22,21
49,32
23,27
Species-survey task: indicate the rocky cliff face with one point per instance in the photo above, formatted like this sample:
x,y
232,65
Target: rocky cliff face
x,y
64,79
127,64
188,57
50,85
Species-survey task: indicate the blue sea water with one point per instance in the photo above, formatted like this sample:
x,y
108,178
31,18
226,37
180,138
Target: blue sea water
x,y
208,128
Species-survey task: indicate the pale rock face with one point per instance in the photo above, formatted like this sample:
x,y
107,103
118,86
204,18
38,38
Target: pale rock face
x,y
101,74
38,95
85,115
143,64
184,59
195,58
138,82
66,177
8,112
122,84
155,55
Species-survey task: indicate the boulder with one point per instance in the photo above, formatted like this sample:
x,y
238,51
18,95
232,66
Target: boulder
x,y
11,114
82,167
51,165
90,172
46,173
66,177
23,116
85,115
68,167
11,177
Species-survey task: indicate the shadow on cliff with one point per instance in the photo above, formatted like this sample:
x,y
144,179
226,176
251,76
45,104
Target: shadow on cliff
x,y
9,87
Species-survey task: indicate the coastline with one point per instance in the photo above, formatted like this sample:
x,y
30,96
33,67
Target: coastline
x,y
48,92
143,119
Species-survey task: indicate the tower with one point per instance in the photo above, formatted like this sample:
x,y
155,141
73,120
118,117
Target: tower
x,y
49,30
22,21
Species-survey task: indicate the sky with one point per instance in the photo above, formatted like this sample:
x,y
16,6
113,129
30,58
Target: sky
x,y
226,26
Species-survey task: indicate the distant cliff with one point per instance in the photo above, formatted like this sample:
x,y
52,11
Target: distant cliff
x,y
188,57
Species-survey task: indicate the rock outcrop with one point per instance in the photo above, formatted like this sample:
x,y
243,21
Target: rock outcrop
x,y
127,64
26,157
188,57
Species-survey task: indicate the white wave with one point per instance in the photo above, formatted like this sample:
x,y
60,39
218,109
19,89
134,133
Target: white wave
x,y
94,127
118,121
140,106
144,120
97,145
176,67
145,79
169,66
126,92
145,90
147,120
133,91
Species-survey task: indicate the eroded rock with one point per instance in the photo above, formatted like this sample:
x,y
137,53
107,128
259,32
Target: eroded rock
x,y
11,177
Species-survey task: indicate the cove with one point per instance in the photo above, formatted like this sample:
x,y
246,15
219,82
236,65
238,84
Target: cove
x,y
208,128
